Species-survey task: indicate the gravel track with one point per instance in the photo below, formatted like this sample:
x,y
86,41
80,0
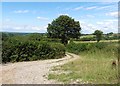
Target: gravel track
x,y
33,72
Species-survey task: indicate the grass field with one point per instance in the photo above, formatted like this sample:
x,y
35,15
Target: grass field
x,y
93,66
96,41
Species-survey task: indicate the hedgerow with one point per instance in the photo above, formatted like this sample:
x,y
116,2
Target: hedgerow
x,y
17,50
80,47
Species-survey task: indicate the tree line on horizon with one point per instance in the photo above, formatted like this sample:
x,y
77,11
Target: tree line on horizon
x,y
65,28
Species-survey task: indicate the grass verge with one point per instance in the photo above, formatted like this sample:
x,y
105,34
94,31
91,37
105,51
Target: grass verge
x,y
93,66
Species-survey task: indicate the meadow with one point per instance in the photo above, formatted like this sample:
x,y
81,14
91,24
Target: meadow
x,y
93,66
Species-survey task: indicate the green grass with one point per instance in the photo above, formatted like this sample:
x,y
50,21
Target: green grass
x,y
96,41
93,66
88,36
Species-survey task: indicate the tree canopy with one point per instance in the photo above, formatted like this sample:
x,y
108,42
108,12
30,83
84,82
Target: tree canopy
x,y
98,34
64,27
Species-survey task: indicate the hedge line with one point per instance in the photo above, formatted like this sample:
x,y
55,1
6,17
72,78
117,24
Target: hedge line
x,y
80,47
17,51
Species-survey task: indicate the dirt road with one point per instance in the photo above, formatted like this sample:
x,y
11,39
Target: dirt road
x,y
33,72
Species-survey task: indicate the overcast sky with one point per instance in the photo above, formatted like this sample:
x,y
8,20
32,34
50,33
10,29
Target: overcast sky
x,y
35,16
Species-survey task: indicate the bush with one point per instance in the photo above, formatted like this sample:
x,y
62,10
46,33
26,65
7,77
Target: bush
x,y
52,40
58,50
111,37
76,48
100,45
80,47
15,50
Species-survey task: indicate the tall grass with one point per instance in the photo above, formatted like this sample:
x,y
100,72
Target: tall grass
x,y
109,51
93,66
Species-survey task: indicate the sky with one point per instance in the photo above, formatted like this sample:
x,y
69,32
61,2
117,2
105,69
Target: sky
x,y
34,17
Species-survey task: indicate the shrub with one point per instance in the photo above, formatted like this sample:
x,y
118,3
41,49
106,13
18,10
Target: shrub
x,y
80,47
15,50
100,45
52,40
76,48
58,50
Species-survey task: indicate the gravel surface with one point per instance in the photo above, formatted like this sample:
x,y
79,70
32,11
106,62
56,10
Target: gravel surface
x,y
33,72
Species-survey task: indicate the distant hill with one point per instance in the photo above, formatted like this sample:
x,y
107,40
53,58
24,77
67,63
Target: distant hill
x,y
17,33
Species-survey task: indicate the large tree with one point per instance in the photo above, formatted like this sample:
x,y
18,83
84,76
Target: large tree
x,y
64,27
98,34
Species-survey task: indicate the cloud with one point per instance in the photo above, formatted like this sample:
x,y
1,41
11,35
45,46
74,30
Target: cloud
x,y
108,25
87,27
104,7
17,28
78,8
21,11
111,20
88,17
95,7
100,23
113,14
86,8
42,18
90,8
39,28
23,28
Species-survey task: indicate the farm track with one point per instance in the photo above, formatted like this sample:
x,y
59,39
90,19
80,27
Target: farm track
x,y
34,72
